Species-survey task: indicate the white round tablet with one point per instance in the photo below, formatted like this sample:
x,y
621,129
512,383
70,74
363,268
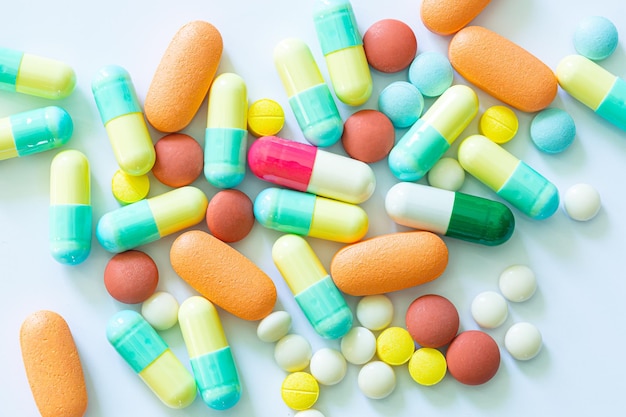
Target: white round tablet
x,y
328,366
447,174
309,413
274,326
376,380
374,312
517,283
582,202
293,353
489,309
523,341
160,310
358,346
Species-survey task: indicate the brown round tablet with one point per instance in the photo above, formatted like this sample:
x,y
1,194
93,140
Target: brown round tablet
x,y
432,321
230,215
390,45
473,357
368,135
179,160
131,277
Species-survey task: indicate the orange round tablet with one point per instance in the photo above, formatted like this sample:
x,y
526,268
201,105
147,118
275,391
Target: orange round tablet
x,y
446,17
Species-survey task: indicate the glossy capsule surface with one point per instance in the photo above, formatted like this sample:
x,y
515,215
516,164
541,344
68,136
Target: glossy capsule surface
x,y
314,290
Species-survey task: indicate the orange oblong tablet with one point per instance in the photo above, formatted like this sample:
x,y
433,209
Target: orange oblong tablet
x,y
222,275
52,365
183,76
446,17
502,68
390,262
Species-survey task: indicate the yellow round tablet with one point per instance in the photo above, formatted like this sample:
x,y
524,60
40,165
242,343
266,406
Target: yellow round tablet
x,y
395,346
300,390
265,118
499,123
427,366
129,189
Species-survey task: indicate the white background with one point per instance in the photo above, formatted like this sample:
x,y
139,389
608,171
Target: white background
x,y
579,306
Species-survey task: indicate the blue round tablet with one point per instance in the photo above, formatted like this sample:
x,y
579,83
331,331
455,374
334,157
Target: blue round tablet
x,y
402,103
552,130
595,38
431,73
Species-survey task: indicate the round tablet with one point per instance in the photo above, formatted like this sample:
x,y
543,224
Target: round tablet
x,y
582,202
552,130
300,390
230,215
517,283
473,357
358,346
431,73
368,135
265,118
309,413
447,174
160,310
129,189
376,380
293,353
596,38
374,312
402,103
389,45
427,366
131,277
523,341
499,123
274,326
395,346
328,366
489,309
179,160
432,320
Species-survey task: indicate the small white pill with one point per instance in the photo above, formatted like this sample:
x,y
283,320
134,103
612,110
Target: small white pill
x,y
358,346
374,312
293,353
273,327
376,380
309,413
160,310
523,341
447,174
517,283
582,202
489,309
328,366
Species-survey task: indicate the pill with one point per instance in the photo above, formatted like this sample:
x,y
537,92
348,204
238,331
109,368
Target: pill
x,y
368,135
293,353
510,178
34,131
274,326
394,346
552,130
431,136
342,46
306,214
313,289
265,118
151,219
517,283
448,17
582,202
492,62
309,413
402,103
427,366
131,277
309,97
489,309
179,160
304,167
498,123
210,355
595,38
376,380
300,390
432,321
595,87
446,174
151,358
129,189
473,357
328,366
389,45
358,346
70,207
523,341
432,74
161,310
389,262
123,119
225,140
230,215
35,75
183,76
449,213
53,365
222,275
375,312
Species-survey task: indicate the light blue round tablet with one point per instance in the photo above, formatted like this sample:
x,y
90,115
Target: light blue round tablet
x,y
595,38
431,73
552,130
402,103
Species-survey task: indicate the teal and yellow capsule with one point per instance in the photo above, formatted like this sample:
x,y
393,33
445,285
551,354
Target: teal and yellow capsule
x,y
35,75
511,178
313,288
151,358
150,219
342,46
70,207
211,358
34,131
123,119
462,216
226,134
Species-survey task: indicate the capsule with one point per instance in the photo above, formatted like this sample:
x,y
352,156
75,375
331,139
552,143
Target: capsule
x,y
151,358
226,133
595,87
431,136
342,46
211,359
123,120
462,216
306,168
34,131
510,178
70,207
313,288
150,219
309,96
35,75
290,211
